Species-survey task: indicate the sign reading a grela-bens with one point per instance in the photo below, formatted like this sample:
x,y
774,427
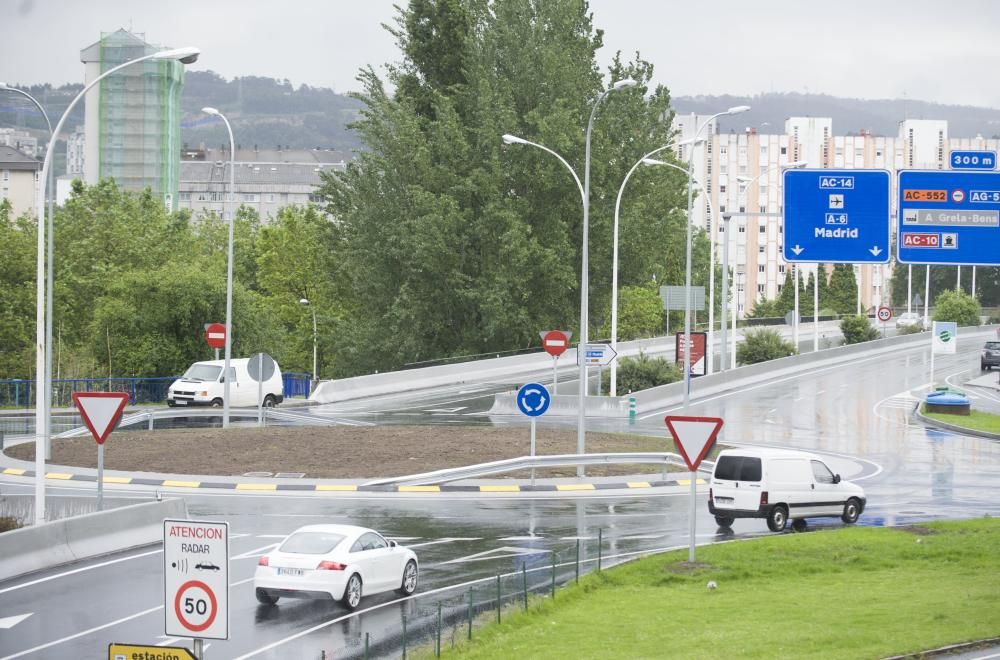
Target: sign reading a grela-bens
x,y
196,579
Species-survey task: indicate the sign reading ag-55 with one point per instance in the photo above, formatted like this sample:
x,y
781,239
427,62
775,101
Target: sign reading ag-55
x,y
836,216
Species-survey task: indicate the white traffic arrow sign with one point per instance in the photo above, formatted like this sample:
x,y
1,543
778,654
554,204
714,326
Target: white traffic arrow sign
x,y
9,622
694,436
598,355
798,250
875,251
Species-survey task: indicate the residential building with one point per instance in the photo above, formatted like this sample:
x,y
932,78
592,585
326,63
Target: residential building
x,y
75,148
23,141
18,179
132,118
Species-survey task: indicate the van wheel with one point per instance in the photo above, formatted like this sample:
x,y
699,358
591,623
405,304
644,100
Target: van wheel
x,y
269,401
265,597
851,511
799,524
777,518
724,521
216,403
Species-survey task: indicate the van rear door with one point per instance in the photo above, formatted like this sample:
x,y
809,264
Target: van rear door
x,y
736,482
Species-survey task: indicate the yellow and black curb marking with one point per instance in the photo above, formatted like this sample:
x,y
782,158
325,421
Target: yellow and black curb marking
x,y
352,488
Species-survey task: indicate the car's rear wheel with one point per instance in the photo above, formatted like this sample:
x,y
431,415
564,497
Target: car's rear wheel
x,y
777,518
799,524
724,521
265,597
409,583
216,403
352,593
852,509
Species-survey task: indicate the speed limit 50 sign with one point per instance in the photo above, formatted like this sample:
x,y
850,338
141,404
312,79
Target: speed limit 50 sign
x,y
196,579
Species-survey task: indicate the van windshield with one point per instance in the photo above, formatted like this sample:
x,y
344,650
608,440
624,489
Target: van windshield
x,y
738,468
202,372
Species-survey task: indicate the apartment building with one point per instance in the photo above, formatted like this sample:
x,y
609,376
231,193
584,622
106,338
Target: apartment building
x,y
18,179
23,141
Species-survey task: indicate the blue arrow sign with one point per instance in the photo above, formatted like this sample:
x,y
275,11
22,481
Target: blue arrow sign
x,y
837,216
949,218
973,160
533,399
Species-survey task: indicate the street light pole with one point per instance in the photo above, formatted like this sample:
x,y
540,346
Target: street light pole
x,y
229,264
42,376
305,301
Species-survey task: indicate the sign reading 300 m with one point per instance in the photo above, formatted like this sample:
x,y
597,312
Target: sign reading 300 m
x,y
949,218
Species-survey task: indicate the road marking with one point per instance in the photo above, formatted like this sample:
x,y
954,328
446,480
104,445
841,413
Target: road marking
x,y
117,480
79,570
500,489
269,536
15,471
172,483
638,484
84,632
9,622
798,399
58,475
256,486
420,489
439,541
507,552
567,487
446,411
335,487
256,552
522,538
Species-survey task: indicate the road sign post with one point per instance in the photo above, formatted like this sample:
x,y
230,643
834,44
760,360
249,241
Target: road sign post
x,y
196,579
100,412
215,335
944,340
698,352
555,343
694,437
884,315
533,400
260,368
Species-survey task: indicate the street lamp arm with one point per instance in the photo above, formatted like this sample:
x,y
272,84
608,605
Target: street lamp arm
x,y
562,160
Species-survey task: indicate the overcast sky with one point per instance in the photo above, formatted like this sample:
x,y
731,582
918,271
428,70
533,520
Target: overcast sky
x,y
922,49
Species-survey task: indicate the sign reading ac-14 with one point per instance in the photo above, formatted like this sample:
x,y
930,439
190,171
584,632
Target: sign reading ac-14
x,y
949,218
836,216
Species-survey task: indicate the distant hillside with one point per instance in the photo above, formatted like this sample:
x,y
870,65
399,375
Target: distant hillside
x,y
881,117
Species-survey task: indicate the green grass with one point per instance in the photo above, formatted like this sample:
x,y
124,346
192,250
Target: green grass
x,y
848,593
977,419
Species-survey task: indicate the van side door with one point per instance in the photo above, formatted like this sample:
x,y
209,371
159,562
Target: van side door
x,y
236,395
790,481
829,498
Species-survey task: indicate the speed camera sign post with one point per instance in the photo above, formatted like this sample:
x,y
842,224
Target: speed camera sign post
x,y
196,580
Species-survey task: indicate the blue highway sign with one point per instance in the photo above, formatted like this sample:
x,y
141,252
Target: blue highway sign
x,y
533,399
949,218
837,216
973,160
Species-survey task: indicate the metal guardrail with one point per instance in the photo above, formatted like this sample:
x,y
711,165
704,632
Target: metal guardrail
x,y
148,417
528,462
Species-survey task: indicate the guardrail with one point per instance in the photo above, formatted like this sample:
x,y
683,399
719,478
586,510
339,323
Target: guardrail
x,y
529,462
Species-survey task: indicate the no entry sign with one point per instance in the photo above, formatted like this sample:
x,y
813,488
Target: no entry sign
x,y
196,579
215,335
555,342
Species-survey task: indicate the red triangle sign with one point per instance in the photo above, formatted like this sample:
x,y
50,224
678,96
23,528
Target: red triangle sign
x,y
100,411
694,436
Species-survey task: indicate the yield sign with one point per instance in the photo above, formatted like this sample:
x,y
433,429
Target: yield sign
x,y
694,436
100,411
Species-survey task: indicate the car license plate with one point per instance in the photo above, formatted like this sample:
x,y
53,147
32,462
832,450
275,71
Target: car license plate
x,y
180,402
290,571
723,500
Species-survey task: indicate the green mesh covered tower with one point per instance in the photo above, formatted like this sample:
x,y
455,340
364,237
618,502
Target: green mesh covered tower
x,y
132,125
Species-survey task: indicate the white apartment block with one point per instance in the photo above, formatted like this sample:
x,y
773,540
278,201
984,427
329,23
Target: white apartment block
x,y
740,174
23,141
76,145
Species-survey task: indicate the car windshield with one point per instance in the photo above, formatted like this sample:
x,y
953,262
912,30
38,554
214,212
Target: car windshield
x,y
202,372
311,543
993,345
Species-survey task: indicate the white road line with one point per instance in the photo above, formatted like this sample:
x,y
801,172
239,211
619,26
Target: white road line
x,y
84,632
79,570
256,552
168,641
439,541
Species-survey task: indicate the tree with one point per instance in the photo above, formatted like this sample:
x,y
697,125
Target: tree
x,y
762,344
957,306
17,293
765,308
843,291
786,299
640,313
857,329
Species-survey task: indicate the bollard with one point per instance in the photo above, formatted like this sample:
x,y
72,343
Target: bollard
x,y
553,575
524,584
366,645
437,644
631,409
498,599
600,542
578,561
470,613
404,637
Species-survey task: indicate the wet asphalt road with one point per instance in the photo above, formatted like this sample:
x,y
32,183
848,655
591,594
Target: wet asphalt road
x,y
861,409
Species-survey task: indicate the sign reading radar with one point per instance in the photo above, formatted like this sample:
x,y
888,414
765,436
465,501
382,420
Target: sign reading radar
x,y
196,579
118,651
945,337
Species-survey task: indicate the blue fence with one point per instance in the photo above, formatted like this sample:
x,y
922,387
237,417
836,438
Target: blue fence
x,y
20,393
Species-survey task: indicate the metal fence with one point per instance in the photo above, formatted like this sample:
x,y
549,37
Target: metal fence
x,y
20,393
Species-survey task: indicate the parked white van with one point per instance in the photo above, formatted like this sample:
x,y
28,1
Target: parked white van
x,y
202,385
779,485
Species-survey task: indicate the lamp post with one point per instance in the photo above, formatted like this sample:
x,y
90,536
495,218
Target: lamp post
x,y
44,387
584,260
305,301
229,263
687,255
42,369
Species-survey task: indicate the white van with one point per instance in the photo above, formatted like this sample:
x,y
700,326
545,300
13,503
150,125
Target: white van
x,y
202,385
779,484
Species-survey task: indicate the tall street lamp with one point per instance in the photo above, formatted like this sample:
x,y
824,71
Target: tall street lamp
x,y
46,392
584,262
229,263
42,369
735,110
305,301
648,161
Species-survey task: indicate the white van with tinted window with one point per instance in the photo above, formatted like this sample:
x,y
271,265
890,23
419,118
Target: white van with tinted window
x,y
779,485
202,385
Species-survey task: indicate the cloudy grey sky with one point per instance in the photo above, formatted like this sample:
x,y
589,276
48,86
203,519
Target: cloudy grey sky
x,y
924,49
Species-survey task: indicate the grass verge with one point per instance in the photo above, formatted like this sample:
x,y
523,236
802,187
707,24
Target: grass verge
x,y
977,420
846,593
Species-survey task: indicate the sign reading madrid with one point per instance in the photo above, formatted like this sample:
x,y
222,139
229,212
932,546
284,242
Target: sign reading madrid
x,y
196,579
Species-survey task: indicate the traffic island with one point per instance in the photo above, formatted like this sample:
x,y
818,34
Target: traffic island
x,y
946,401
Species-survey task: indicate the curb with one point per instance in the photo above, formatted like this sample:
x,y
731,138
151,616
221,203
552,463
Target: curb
x,y
352,488
951,427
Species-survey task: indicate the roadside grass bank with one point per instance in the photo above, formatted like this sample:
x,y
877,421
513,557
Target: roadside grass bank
x,y
977,420
845,593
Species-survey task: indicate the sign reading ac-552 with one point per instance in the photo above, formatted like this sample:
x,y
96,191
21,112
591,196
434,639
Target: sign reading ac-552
x,y
925,195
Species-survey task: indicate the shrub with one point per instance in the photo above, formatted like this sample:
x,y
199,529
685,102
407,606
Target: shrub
x,y
911,329
857,329
641,373
7,523
762,344
957,306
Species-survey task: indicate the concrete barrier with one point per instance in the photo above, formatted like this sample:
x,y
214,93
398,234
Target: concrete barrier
x,y
50,544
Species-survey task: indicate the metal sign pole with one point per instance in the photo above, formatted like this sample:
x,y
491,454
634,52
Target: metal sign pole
x,y
216,354
692,513
532,449
816,310
260,389
100,477
199,650
555,375
795,321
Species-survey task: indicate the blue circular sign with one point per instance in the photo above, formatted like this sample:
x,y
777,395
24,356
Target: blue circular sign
x,y
533,399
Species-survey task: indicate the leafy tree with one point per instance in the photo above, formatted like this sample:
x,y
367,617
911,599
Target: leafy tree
x,y
762,344
786,299
857,328
957,306
766,308
640,313
843,290
641,373
17,293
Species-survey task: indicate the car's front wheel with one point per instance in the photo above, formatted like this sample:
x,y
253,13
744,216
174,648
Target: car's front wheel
x,y
851,511
265,597
724,521
270,401
216,403
352,593
777,518
409,583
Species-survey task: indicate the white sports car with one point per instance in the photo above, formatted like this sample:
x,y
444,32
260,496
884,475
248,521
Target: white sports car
x,y
342,562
